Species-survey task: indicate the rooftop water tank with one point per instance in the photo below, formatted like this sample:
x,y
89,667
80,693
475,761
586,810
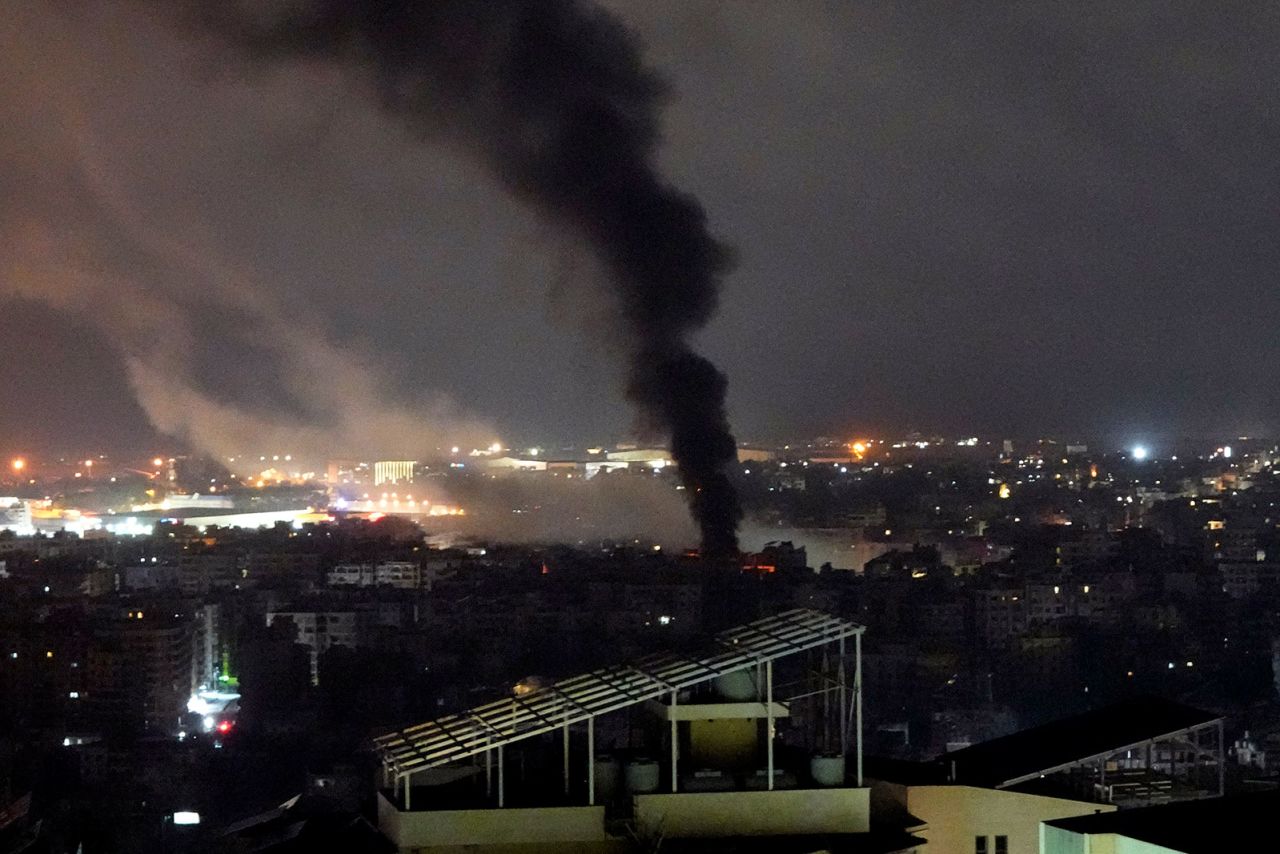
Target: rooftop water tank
x,y
738,686
642,776
827,769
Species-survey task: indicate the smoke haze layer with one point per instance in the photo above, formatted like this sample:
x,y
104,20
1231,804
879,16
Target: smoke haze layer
x,y
554,98
84,235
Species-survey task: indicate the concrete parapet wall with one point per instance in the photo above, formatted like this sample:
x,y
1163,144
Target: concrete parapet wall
x,y
791,811
529,831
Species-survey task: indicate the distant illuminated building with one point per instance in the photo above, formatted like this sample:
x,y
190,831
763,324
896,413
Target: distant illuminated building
x,y
644,456
15,516
339,471
393,471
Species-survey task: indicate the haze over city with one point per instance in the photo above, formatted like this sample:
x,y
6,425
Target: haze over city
x,y
1024,222
636,426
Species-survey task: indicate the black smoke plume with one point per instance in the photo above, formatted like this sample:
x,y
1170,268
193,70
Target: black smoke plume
x,y
554,98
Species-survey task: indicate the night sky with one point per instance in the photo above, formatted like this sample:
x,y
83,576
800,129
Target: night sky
x,y
1047,218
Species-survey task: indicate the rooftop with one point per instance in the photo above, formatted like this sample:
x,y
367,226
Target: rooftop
x,y
1190,827
1056,745
580,698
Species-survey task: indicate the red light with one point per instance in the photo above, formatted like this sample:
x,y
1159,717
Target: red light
x,y
224,726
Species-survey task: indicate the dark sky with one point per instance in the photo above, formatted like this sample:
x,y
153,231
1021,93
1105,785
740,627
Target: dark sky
x,y
995,218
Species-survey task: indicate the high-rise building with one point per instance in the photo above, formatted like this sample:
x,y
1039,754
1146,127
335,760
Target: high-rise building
x,y
140,670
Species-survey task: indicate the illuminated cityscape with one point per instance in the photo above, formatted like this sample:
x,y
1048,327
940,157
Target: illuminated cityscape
x,y
1000,584
638,427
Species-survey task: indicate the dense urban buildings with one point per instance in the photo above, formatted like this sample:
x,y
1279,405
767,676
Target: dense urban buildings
x,y
1043,632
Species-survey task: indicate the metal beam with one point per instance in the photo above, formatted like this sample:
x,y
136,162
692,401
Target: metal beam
x,y
1222,764
591,762
844,704
768,730
503,721
675,747
857,699
1013,781
524,704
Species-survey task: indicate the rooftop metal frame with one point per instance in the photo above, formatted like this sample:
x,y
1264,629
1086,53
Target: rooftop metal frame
x,y
610,689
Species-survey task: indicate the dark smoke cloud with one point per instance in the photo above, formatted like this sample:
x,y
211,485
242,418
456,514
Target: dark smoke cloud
x,y
554,98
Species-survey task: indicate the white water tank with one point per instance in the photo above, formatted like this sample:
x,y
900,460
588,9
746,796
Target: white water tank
x,y
642,776
738,686
827,769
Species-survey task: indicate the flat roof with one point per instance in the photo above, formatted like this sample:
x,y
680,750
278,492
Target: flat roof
x,y
1191,827
579,698
1056,745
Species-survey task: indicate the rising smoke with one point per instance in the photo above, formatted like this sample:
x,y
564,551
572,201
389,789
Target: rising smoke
x,y
79,235
554,98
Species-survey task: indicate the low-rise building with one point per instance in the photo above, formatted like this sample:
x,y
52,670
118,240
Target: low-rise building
x,y
320,629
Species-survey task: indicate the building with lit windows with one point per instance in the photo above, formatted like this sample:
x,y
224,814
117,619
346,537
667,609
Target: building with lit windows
x,y
393,472
406,575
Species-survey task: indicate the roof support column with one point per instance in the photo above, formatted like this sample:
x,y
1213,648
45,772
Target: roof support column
x,y
502,780
825,685
408,792
857,700
566,754
591,761
768,730
1222,767
675,744
844,703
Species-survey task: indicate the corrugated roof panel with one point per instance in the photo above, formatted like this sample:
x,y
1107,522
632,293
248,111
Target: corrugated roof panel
x,y
609,689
